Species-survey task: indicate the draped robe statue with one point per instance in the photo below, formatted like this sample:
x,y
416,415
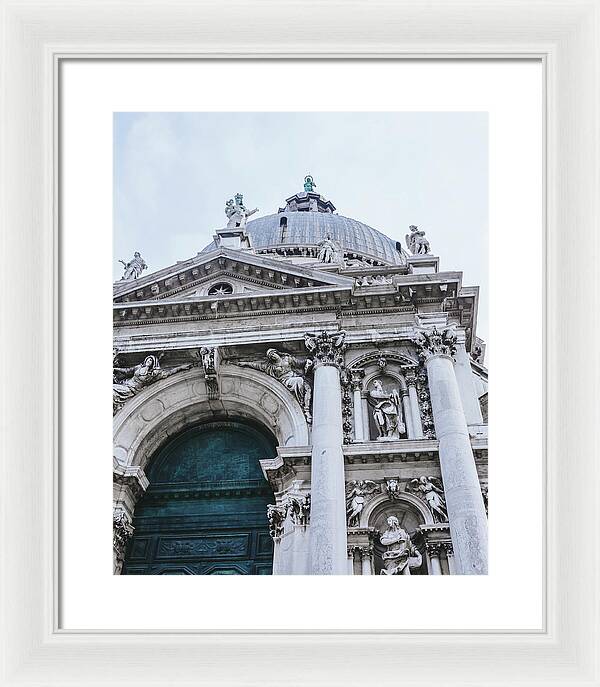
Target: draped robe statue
x,y
400,554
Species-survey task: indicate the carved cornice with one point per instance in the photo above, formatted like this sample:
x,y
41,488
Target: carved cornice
x,y
327,349
431,342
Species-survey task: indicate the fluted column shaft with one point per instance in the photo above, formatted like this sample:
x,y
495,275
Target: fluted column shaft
x,y
328,538
466,512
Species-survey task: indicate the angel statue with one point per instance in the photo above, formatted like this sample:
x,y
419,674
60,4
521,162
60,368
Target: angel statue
x,y
387,412
431,490
133,268
140,377
237,213
290,371
400,553
356,492
416,241
329,250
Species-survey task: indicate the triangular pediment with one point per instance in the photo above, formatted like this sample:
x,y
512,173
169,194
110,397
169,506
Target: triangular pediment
x,y
232,271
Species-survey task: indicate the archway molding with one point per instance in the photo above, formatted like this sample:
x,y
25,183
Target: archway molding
x,y
404,499
165,408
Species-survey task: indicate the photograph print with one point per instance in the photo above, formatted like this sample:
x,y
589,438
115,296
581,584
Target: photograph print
x,y
300,318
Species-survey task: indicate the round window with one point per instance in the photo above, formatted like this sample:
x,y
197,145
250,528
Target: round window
x,y
220,289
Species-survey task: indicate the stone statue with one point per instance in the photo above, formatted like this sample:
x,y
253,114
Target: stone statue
x,y
138,378
387,412
392,486
291,372
309,184
133,268
416,241
431,491
356,492
237,213
400,553
329,250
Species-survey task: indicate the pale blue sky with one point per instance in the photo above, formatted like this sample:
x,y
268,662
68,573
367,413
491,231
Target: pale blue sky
x,y
173,173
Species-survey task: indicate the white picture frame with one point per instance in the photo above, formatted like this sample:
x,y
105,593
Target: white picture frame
x,y
36,37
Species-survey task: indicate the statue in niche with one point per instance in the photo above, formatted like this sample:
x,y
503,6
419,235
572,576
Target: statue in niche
x,y
329,250
400,553
416,242
133,268
356,492
387,412
237,213
431,490
139,377
291,372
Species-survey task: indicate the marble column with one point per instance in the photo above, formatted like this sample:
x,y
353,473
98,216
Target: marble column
x,y
433,552
328,538
356,382
365,560
466,512
450,558
415,413
466,384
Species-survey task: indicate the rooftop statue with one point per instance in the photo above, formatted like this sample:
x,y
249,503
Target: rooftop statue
x,y
416,242
329,250
133,268
237,213
309,183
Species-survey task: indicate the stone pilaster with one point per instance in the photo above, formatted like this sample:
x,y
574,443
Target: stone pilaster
x,y
356,378
466,383
466,512
415,412
328,540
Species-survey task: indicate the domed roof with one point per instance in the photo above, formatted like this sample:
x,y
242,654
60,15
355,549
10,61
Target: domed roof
x,y
310,228
308,219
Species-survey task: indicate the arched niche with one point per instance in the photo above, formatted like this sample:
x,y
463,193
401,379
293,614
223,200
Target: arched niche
x,y
411,512
164,409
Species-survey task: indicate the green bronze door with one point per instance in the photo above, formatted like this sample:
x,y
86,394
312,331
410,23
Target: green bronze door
x,y
205,511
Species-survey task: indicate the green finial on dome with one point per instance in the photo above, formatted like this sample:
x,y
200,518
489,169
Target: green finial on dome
x,y
309,183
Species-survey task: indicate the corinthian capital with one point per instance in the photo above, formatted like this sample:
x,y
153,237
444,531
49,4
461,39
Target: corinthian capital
x,y
327,349
431,342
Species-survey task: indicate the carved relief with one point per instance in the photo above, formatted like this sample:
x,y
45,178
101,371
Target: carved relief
x,y
122,533
431,490
425,404
296,507
289,371
134,379
209,360
204,546
357,493
347,408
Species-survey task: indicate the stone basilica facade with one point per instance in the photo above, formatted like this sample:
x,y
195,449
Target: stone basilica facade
x,y
305,396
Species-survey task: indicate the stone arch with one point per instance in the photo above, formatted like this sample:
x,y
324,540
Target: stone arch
x,y
165,408
403,500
